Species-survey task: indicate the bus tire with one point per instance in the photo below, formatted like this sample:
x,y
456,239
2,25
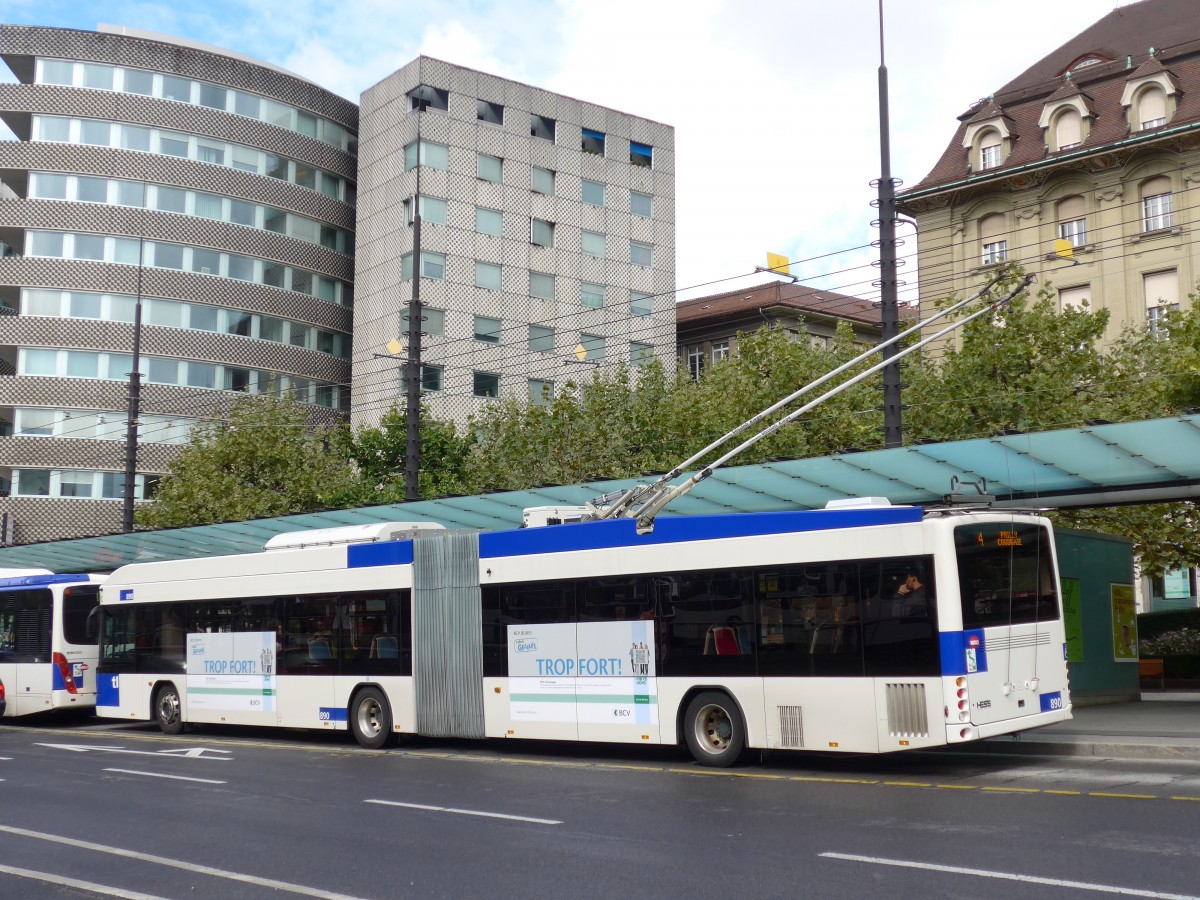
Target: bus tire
x,y
168,710
371,718
714,729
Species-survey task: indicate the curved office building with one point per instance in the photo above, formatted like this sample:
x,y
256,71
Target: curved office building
x,y
216,191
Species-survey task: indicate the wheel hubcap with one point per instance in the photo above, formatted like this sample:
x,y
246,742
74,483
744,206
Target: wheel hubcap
x,y
368,718
714,729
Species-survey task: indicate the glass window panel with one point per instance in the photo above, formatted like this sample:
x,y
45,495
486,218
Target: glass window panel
x,y
210,153
201,375
95,76
93,132
591,295
406,267
32,482
130,193
76,484
163,371
173,146
325,340
489,112
237,322
57,71
593,346
640,253
246,159
206,262
112,485
246,104
640,354
135,138
486,384
306,176
39,362
242,213
239,267
166,256
302,281
81,364
138,81
276,113
79,425
543,180
44,243
202,317
592,243
36,421
176,88
170,199
121,308
49,186
273,274
431,378
52,129
277,166
593,193
306,123
540,392
593,142
163,312
641,204
89,246
543,233
299,336
488,221
541,339
541,285
275,220
489,168
84,305
329,185
641,154
487,329
541,126
41,303
433,209
208,206
212,96
91,190
487,275
433,265
127,251
329,237
326,289
237,378
304,229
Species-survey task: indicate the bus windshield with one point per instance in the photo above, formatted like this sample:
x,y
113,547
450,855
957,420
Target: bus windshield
x,y
1005,573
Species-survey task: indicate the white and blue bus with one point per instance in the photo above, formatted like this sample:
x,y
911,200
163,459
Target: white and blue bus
x,y
863,630
47,660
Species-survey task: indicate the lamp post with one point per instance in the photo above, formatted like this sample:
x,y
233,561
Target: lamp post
x,y
412,446
135,385
889,305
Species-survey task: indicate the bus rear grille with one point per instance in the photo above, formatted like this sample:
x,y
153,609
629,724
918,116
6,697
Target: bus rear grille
x,y
906,710
791,726
1010,641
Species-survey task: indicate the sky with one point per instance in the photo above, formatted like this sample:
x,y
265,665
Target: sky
x,y
774,102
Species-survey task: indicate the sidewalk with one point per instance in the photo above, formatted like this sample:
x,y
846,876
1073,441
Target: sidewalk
x,y
1164,725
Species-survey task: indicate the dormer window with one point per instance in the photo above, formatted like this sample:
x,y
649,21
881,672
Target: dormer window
x,y
990,150
988,139
1151,107
1150,97
1068,129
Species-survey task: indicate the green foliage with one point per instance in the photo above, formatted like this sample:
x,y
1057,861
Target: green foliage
x,y
1164,535
264,461
1151,625
1171,643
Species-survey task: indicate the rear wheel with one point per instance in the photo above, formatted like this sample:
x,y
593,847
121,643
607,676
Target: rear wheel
x,y
714,729
371,718
168,710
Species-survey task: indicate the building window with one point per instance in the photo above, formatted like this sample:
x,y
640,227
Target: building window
x,y
994,252
540,392
424,97
641,154
489,168
695,361
488,221
541,127
640,304
640,354
486,384
593,193
993,245
541,285
1068,129
487,329
433,265
433,321
1161,290
489,112
1074,298
720,351
641,204
541,339
1157,206
433,156
1156,318
542,233
591,295
1072,224
641,253
989,150
431,378
593,142
543,180
488,276
592,243
1151,108
593,346
433,209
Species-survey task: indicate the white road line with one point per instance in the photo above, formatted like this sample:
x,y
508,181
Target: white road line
x,y
160,775
466,812
6,758
1009,876
180,864
89,886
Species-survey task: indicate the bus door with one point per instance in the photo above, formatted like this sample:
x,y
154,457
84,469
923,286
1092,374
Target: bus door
x,y
25,618
75,655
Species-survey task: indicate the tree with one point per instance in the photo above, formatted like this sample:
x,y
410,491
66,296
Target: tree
x,y
265,460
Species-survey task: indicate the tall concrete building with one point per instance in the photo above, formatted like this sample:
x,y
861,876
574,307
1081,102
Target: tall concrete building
x,y
216,191
547,239
1097,144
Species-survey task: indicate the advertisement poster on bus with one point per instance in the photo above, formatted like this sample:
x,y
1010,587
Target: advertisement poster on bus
x,y
231,672
1124,622
594,672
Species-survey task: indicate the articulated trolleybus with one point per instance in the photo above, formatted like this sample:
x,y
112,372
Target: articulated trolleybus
x,y
47,659
865,628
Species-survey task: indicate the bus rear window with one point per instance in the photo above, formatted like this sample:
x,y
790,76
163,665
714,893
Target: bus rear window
x,y
1005,574
78,603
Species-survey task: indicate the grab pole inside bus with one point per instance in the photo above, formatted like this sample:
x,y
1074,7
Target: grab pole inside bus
x,y
646,513
626,500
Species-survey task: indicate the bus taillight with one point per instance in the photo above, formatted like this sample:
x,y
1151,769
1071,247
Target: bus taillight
x,y
64,669
1,691
964,701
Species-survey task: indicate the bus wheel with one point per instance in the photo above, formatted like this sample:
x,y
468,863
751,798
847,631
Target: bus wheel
x,y
714,729
371,718
168,710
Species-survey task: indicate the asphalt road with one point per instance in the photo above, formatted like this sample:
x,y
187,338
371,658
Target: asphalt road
x,y
104,810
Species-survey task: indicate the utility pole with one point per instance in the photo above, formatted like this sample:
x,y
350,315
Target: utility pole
x,y
412,447
135,387
888,284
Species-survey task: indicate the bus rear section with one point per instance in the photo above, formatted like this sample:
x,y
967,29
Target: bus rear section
x,y
47,661
1009,661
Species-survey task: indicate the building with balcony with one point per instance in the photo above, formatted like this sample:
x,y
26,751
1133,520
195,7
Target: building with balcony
x,y
215,192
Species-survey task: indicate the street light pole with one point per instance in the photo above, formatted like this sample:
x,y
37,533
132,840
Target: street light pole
x,y
888,284
135,386
412,447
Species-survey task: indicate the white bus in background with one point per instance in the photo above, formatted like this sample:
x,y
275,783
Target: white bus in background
x,y
47,660
862,630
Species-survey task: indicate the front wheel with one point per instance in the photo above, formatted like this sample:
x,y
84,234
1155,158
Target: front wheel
x,y
168,710
714,729
371,718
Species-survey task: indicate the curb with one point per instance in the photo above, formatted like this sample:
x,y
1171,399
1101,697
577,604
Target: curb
x,y
1098,749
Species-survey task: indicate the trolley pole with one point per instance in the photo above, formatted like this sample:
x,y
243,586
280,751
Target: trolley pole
x,y
888,285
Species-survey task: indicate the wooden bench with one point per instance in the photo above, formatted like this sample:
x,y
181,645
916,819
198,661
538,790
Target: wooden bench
x,y
1152,668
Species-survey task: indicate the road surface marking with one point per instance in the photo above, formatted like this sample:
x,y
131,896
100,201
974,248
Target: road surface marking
x,y
1013,790
6,758
90,886
466,812
160,775
1009,876
180,864
188,752
1122,796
